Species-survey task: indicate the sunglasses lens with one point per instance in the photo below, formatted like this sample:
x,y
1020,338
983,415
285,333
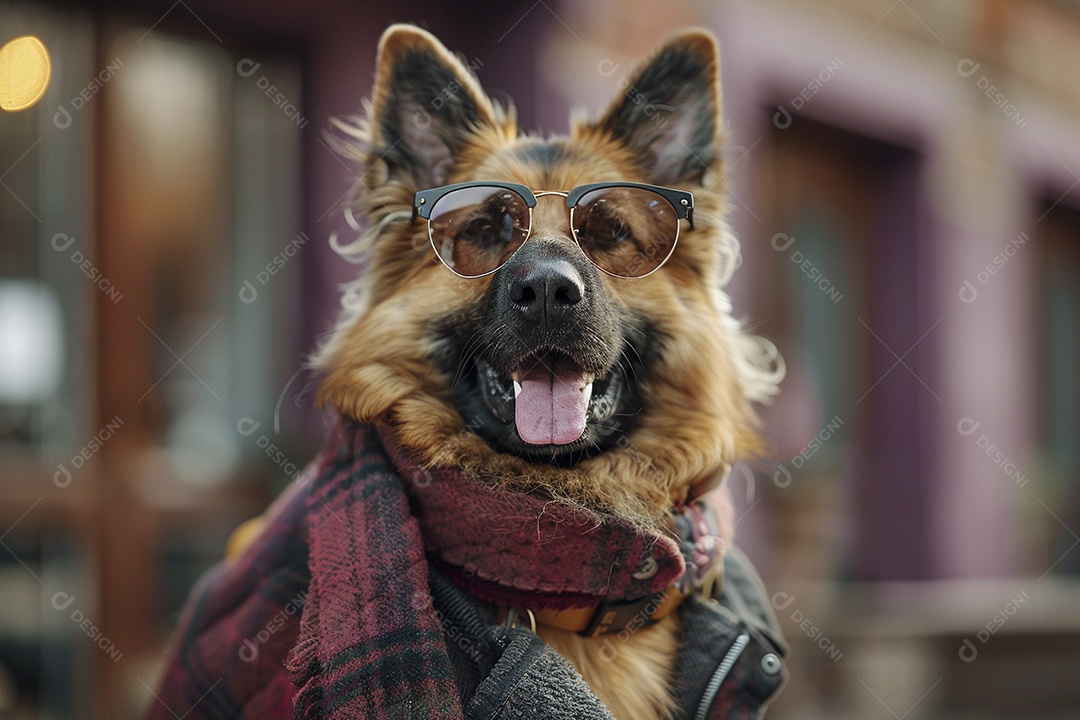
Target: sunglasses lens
x,y
476,229
627,231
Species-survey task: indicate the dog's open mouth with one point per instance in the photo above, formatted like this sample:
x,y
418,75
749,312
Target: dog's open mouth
x,y
551,380
549,397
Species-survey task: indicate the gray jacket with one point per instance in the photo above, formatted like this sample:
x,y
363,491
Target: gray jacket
x,y
729,664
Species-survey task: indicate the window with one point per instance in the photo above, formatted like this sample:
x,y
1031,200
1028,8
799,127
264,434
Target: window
x,y
840,294
1058,352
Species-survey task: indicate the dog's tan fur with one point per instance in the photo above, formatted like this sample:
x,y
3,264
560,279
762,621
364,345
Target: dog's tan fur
x,y
698,419
630,674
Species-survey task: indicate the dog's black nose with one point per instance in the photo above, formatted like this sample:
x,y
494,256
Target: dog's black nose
x,y
546,289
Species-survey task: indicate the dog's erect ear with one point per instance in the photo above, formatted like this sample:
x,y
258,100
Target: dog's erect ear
x,y
669,111
425,106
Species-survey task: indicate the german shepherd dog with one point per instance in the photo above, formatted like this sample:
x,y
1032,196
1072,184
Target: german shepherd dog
x,y
546,314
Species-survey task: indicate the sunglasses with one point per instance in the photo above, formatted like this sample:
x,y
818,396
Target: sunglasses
x,y
628,230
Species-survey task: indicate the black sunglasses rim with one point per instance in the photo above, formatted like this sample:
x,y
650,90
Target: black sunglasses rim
x,y
681,200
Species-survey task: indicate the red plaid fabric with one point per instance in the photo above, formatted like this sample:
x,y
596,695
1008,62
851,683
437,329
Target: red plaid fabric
x,y
328,613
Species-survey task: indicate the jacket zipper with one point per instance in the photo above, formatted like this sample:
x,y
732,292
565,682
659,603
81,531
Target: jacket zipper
x,y
721,672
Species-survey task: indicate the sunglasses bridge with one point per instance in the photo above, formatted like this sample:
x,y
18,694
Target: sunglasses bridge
x,y
537,194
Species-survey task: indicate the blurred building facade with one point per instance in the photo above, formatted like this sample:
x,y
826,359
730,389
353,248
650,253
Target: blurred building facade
x,y
905,182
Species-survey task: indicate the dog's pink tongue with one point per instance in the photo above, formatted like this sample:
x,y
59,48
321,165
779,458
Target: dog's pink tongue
x,y
552,404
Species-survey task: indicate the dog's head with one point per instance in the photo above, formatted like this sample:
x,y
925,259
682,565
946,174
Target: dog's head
x,y
553,320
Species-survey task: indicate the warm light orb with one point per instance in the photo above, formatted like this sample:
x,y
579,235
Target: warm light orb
x,y
24,72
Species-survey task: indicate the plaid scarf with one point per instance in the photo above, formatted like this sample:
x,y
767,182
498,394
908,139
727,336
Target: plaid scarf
x,y
336,585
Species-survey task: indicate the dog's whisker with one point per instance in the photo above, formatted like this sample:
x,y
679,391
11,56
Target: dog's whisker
x,y
629,365
469,350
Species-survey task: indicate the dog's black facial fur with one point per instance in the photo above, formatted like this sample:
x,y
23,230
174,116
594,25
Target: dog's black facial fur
x,y
544,153
480,348
582,327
